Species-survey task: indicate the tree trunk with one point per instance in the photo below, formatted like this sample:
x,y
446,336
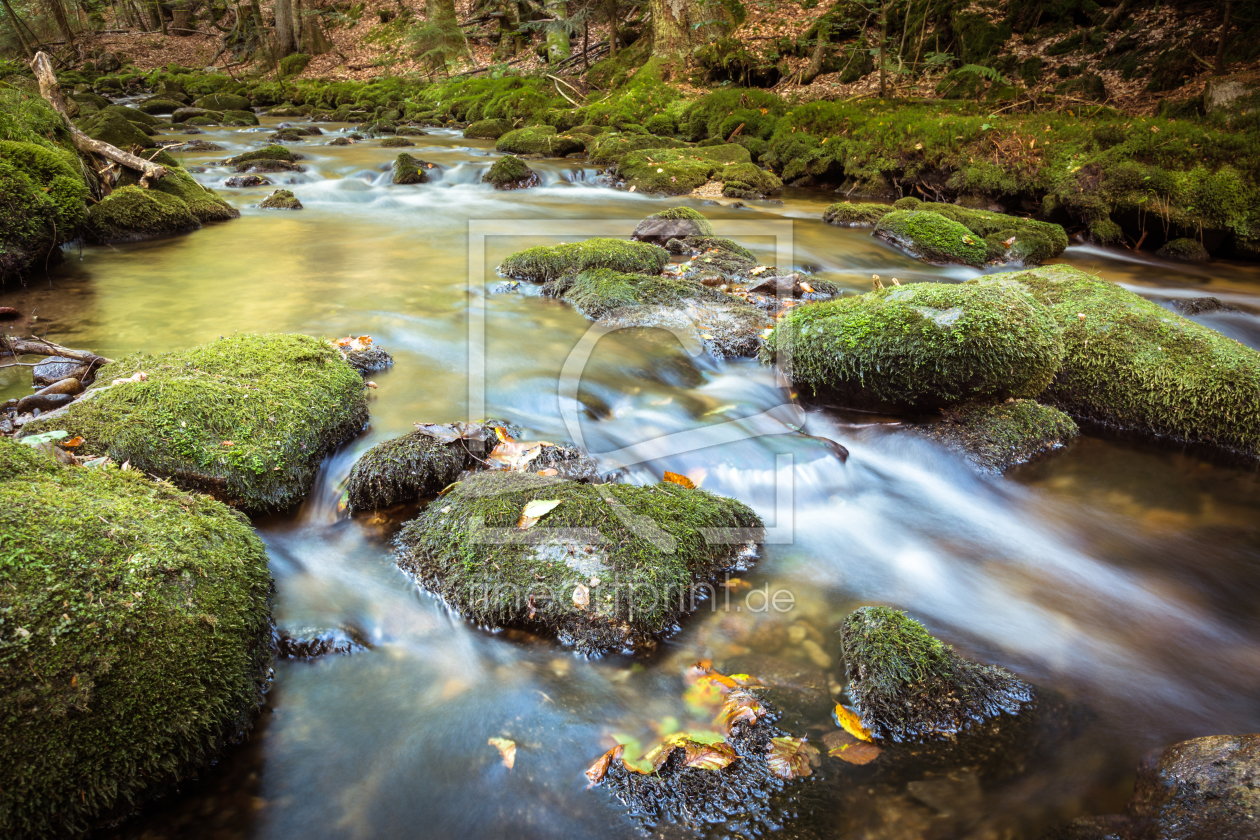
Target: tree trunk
x,y
1113,22
63,22
17,27
1220,46
586,43
441,13
614,17
819,56
883,46
679,27
286,31
558,48
312,39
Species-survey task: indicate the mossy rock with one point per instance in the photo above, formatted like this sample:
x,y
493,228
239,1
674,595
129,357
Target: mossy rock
x,y
89,103
845,214
246,418
646,547
288,135
1184,250
661,125
281,200
1031,242
409,170
698,245
932,238
136,639
204,121
1132,365
405,469
134,115
240,117
747,180
396,143
268,165
674,223
909,687
184,115
223,102
920,346
997,437
271,152
43,201
116,130
734,265
130,214
538,140
203,202
511,173
159,105
488,129
292,65
545,262
678,171
610,148
407,131
285,110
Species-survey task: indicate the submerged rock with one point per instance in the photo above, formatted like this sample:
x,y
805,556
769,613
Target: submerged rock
x,y
545,262
920,346
130,214
511,173
606,567
246,418
1184,250
409,170
538,140
163,662
674,223
997,437
1132,365
908,686
488,129
1199,305
311,643
281,200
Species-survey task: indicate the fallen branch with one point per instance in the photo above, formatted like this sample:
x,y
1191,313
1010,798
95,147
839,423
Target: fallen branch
x,y
50,89
42,347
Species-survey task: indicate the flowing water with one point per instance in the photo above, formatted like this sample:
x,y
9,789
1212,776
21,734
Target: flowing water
x,y
1123,576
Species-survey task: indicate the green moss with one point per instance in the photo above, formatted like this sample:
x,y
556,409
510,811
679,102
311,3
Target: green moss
x,y
663,125
845,214
545,263
932,238
129,214
1033,242
510,173
396,143
272,152
907,686
240,118
610,148
1184,250
488,129
1133,365
677,172
753,181
292,65
997,437
673,223
408,468
223,102
29,214
203,202
538,140
920,346
246,418
646,547
111,128
134,639
159,106
707,244
281,200
409,170
133,115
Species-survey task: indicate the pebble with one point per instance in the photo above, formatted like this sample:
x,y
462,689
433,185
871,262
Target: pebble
x,y
815,653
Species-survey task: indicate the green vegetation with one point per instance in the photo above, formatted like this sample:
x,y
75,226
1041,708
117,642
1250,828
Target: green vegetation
x,y
1184,250
679,171
246,418
611,148
545,262
281,200
202,202
223,102
42,203
272,152
510,173
1133,365
674,223
908,686
135,639
538,140
487,129
407,468
1031,242
996,437
409,170
396,143
648,555
292,65
920,346
116,130
932,238
845,214
130,214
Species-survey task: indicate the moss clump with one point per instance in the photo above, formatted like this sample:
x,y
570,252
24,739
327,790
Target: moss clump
x,y
1031,242
405,469
908,686
545,263
1133,365
133,115
747,180
409,170
246,418
997,437
43,200
159,105
134,639
203,202
111,128
697,245
920,346
223,102
396,143
292,65
1184,250
488,129
240,118
511,173
272,152
645,546
130,214
187,115
845,214
674,223
678,171
610,148
281,200
538,140
932,238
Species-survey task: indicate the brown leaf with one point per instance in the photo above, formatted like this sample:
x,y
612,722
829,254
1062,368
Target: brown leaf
x,y
858,753
451,432
581,596
740,705
597,770
708,756
680,480
789,757
506,748
651,762
534,511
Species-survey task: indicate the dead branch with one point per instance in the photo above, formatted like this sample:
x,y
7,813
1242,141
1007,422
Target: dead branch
x,y
42,347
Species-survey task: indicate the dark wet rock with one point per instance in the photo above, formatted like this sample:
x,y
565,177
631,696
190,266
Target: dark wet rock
x,y
247,181
410,170
1184,250
674,223
921,346
288,135
369,359
281,200
185,114
695,245
610,567
730,264
311,643
146,684
511,173
44,402
997,437
340,141
8,313
130,214
909,687
1199,305
70,385
268,165
269,152
56,368
396,143
196,146
545,262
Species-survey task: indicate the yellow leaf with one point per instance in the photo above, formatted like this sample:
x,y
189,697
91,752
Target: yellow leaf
x,y
535,510
851,723
506,748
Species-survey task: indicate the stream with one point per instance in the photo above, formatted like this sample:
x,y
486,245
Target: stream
x,y
1124,576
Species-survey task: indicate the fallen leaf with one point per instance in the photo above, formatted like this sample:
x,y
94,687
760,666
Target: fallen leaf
x,y
73,442
789,757
681,480
740,706
506,748
599,769
851,723
713,756
535,510
805,287
227,443
451,432
371,384
515,455
549,471
859,753
759,270
581,596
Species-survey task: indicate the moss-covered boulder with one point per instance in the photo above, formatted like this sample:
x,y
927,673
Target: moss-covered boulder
x,y
997,437
396,143
240,118
550,262
202,202
538,140
488,129
246,418
845,214
674,223
130,214
919,346
1006,238
186,115
610,148
223,102
747,180
607,567
284,110
43,200
281,200
932,238
1132,365
135,640
268,165
134,115
409,170
89,103
1183,250
679,171
159,105
909,687
510,173
116,130
270,152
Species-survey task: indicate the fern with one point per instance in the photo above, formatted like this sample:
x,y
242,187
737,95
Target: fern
x,y
983,72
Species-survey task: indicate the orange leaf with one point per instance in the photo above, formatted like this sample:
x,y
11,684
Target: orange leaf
x,y
709,756
852,724
73,442
680,480
597,770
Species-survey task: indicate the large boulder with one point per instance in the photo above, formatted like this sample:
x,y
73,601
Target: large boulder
x,y
488,129
844,214
43,200
185,114
223,102
932,238
1134,366
273,151
1007,239
997,437
919,347
510,173
202,202
116,130
135,643
134,115
550,262
409,170
674,223
246,418
610,148
130,214
907,686
159,105
679,171
604,567
538,140
1184,250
